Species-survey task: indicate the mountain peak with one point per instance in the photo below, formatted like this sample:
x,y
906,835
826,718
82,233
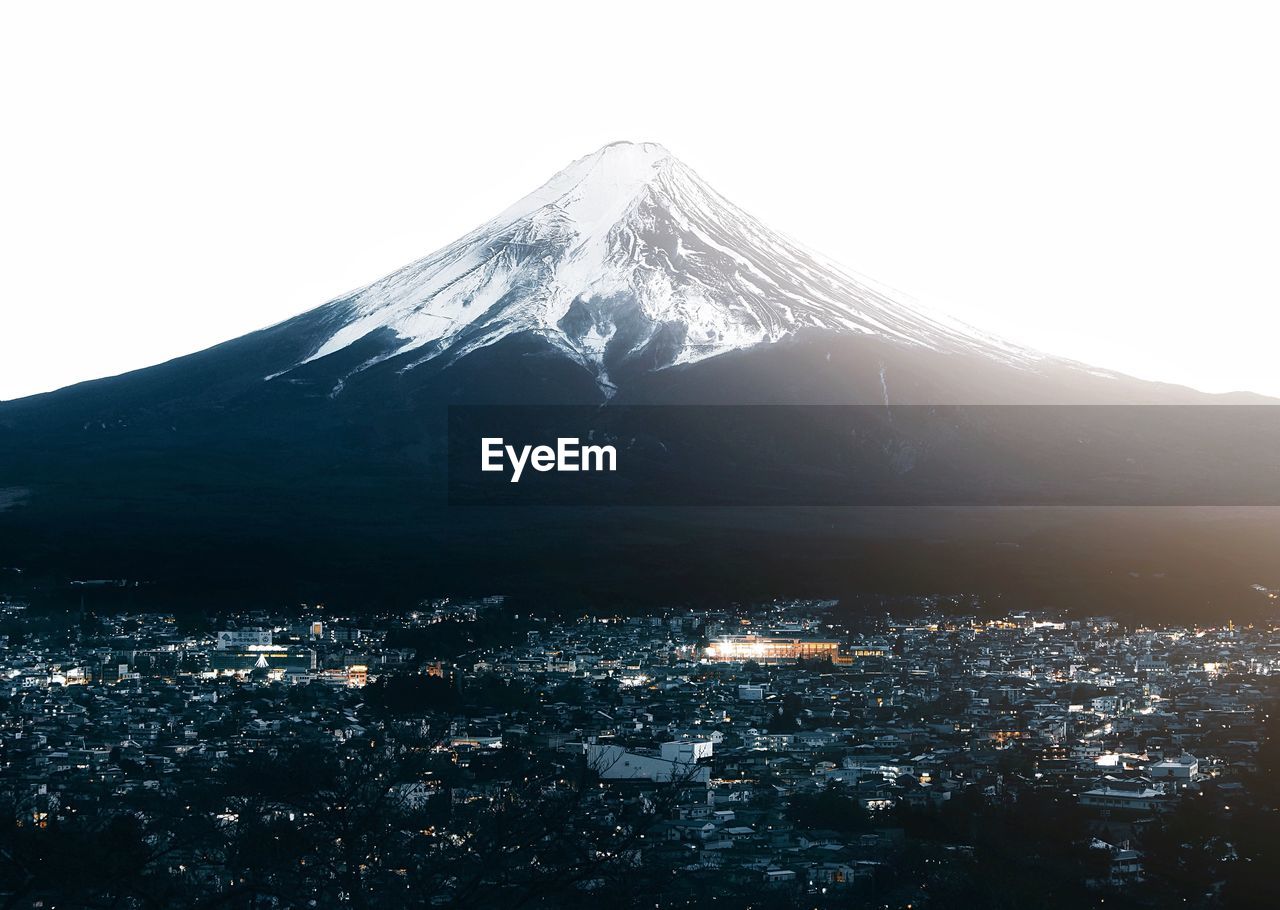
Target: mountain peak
x,y
594,190
627,147
624,256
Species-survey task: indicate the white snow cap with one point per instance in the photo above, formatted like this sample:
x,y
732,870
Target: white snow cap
x,y
626,251
596,189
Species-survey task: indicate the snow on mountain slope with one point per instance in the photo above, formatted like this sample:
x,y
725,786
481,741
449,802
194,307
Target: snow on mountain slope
x,y
626,254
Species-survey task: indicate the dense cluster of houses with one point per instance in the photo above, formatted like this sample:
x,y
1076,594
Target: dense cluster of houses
x,y
913,714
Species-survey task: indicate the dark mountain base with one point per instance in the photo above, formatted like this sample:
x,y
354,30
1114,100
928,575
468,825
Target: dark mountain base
x,y
225,489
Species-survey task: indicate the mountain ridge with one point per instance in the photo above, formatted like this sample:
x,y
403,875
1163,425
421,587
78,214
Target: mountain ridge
x,y
626,262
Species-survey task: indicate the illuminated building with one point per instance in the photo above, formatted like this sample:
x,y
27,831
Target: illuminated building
x,y
239,639
769,649
870,650
271,657
356,675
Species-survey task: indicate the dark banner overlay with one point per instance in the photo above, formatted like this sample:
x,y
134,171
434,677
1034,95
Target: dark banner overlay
x,y
865,455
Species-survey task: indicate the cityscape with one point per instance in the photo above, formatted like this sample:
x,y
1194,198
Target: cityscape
x,y
471,752
639,457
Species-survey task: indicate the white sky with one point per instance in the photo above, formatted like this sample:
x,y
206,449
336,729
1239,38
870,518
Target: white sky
x,y
1098,181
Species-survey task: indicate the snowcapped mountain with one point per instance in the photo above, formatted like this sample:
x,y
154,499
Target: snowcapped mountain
x,y
626,255
315,452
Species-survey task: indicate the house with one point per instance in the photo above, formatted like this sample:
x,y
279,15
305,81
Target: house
x,y
1117,866
837,874
1125,796
689,829
1181,770
617,763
